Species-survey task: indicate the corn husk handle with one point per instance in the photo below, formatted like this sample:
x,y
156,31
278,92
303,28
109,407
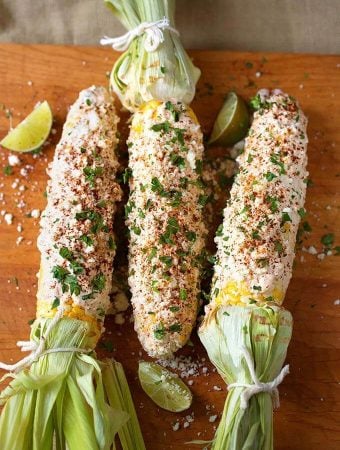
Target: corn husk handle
x,y
139,75
265,333
63,400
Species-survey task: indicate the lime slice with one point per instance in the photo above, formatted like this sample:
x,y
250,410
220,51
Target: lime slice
x,y
164,387
232,122
32,132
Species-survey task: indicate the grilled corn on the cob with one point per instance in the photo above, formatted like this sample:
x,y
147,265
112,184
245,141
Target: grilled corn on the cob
x,y
76,242
256,242
166,224
245,325
67,398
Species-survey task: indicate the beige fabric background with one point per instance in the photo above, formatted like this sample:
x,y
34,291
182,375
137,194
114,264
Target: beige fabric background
x,y
263,25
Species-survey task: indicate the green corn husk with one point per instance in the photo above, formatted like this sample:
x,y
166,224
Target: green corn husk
x,y
61,401
265,331
165,74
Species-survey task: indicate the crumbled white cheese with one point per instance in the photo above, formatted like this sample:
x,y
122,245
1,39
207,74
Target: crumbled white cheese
x,y
35,213
13,160
8,218
212,418
176,426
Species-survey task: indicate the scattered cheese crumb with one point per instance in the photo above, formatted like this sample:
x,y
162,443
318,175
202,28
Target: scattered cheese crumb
x,y
312,250
8,218
176,426
212,418
35,213
337,302
13,160
258,74
19,240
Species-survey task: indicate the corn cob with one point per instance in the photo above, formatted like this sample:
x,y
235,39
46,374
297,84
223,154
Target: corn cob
x,y
76,243
67,398
166,224
244,323
256,243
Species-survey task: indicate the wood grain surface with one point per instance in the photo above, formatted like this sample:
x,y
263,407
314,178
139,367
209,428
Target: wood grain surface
x,y
309,416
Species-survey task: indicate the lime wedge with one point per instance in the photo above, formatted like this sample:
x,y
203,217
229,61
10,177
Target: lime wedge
x,y
232,122
32,132
164,387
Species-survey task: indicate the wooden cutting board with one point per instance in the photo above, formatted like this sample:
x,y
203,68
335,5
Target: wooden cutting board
x,y
309,415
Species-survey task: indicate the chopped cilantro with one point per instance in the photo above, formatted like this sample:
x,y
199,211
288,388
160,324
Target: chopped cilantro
x,y
203,199
255,235
302,212
270,176
153,253
88,102
327,239
183,294
171,229
101,204
164,126
273,203
98,282
127,174
191,236
175,328
86,239
65,253
56,303
8,170
177,160
278,247
219,231
136,229
167,260
174,308
285,218
156,186
274,159
159,331
91,174
171,107
96,219
112,244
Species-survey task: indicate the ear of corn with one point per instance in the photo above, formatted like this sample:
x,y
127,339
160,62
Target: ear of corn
x,y
166,224
255,252
62,400
167,194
